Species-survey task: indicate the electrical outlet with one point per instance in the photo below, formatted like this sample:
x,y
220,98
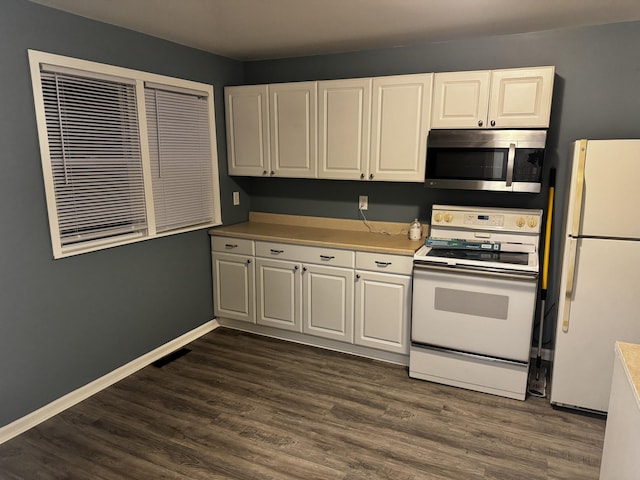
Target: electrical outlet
x,y
236,198
363,202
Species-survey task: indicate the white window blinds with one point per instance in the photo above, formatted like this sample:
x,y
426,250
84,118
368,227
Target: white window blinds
x,y
94,149
126,155
180,155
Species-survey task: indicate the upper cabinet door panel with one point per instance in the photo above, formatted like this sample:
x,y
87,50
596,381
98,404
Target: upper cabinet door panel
x,y
293,112
344,113
247,129
521,97
460,99
399,127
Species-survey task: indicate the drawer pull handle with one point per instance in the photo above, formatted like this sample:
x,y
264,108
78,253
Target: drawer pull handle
x,y
230,245
327,257
276,252
382,264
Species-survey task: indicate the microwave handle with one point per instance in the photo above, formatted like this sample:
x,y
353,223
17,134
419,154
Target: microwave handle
x,y
511,158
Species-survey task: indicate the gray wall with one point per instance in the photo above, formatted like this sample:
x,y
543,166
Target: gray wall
x,y
66,322
596,95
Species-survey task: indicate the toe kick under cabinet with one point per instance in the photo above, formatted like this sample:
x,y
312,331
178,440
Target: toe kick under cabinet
x,y
346,296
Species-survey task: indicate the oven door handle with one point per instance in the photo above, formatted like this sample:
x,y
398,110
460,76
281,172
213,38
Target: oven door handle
x,y
481,271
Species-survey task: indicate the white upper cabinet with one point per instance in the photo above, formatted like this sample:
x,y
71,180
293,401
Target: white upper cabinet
x,y
344,117
521,97
400,110
353,129
511,98
460,99
247,115
292,115
374,128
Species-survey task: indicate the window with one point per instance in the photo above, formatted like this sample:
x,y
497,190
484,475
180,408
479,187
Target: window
x,y
126,155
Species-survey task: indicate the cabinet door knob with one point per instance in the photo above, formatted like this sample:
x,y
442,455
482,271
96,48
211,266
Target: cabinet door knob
x,y
272,172
248,260
362,176
264,172
493,123
358,277
296,267
371,177
304,269
480,123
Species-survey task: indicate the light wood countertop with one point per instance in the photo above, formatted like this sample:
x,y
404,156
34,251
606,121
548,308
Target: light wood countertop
x,y
630,354
381,237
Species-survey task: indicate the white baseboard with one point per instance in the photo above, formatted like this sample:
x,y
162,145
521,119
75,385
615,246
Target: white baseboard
x,y
70,399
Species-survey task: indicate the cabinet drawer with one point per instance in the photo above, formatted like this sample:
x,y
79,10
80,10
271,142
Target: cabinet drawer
x,y
384,262
304,254
240,246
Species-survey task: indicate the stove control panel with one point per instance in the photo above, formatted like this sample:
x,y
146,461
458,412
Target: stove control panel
x,y
508,220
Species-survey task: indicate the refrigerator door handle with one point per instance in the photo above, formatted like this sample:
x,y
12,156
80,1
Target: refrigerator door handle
x,y
568,294
578,196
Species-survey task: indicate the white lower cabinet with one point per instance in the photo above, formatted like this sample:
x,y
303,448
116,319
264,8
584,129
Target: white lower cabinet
x,y
278,286
352,297
233,286
382,311
327,299
383,301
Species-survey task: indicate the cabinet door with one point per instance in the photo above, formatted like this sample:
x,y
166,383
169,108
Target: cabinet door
x,y
521,97
327,302
278,286
247,119
292,110
383,303
399,127
233,287
344,113
460,99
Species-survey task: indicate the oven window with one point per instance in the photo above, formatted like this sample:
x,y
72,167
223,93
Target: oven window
x,y
472,303
467,164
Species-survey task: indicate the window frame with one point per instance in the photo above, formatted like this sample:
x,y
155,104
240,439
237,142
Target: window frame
x,y
139,78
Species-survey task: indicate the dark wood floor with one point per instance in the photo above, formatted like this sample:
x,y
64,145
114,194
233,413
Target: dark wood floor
x,y
240,406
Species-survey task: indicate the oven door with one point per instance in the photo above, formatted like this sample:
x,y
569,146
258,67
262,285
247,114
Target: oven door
x,y
474,311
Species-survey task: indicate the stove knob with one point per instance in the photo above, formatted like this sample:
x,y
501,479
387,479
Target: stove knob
x,y
520,222
437,217
533,223
448,217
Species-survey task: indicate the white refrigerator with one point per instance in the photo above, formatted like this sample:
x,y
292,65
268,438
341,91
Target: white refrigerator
x,y
599,297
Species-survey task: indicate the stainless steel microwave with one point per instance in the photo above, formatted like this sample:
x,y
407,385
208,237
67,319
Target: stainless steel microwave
x,y
497,160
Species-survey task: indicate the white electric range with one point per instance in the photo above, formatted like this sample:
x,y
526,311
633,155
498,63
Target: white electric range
x,y
474,304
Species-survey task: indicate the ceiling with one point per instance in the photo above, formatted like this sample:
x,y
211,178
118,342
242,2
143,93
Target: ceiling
x,y
264,29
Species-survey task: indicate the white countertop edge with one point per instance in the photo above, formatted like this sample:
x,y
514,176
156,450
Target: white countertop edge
x,y
633,382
